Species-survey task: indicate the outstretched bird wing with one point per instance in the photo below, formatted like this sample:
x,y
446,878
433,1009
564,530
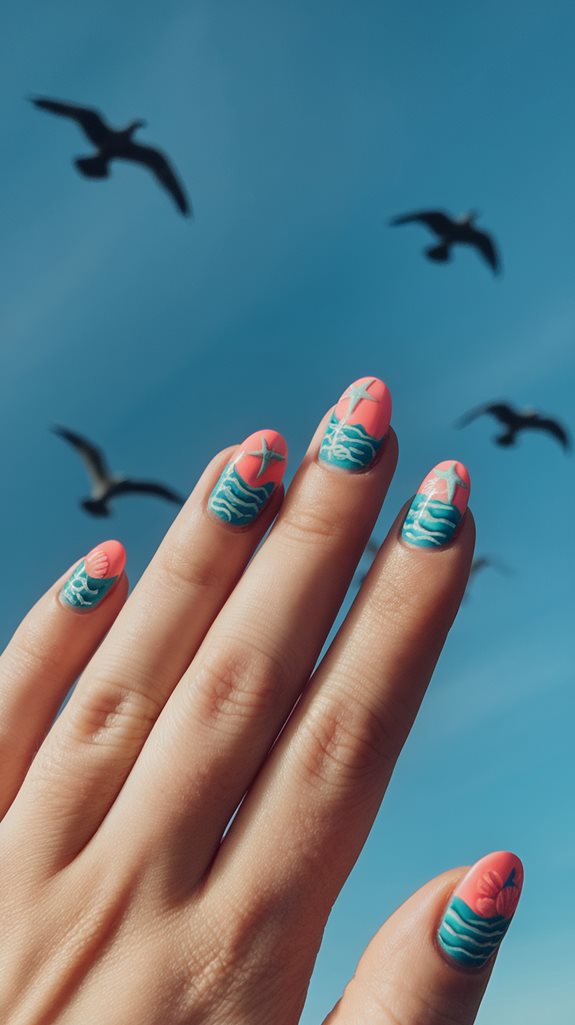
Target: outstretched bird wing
x,y
502,411
146,487
489,562
156,162
91,455
90,120
435,220
552,427
486,246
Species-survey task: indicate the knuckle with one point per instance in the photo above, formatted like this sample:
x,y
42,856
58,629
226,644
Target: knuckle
x,y
187,567
343,743
111,713
243,683
31,652
312,524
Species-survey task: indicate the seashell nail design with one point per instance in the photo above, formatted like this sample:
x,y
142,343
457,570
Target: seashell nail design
x,y
94,576
97,563
249,479
357,426
480,910
437,509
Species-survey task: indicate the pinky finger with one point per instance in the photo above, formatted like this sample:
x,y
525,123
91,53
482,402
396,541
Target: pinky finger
x,y
432,960
49,650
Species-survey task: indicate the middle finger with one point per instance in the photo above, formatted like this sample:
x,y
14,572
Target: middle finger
x,y
226,712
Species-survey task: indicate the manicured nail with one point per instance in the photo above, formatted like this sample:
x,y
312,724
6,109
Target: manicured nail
x,y
436,510
481,909
358,425
249,479
94,576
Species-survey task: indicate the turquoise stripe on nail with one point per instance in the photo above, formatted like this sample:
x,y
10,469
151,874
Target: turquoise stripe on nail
x,y
82,591
468,938
236,502
348,446
430,523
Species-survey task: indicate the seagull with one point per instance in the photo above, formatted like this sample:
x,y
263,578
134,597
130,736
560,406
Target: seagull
x,y
482,562
453,231
485,562
116,144
515,421
105,485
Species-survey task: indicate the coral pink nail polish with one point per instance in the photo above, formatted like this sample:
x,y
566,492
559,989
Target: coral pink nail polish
x,y
437,509
94,576
481,908
358,425
249,479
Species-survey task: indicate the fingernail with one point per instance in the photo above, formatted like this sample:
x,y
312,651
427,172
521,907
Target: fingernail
x,y
358,425
436,510
481,908
249,479
94,576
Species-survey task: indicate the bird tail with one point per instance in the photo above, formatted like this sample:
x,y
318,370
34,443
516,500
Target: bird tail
x,y
506,440
440,253
95,506
92,167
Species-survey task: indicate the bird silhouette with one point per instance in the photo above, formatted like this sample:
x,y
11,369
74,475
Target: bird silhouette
x,y
116,144
482,562
106,485
516,421
453,231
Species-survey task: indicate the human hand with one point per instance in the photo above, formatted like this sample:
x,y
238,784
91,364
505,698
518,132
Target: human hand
x,y
133,888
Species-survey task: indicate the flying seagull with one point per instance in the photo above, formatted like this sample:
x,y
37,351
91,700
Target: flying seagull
x,y
482,562
486,562
453,231
515,421
105,485
116,144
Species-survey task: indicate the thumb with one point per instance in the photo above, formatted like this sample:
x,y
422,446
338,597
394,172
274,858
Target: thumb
x,y
431,961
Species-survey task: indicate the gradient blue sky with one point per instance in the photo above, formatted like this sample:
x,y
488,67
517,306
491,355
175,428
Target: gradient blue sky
x,y
299,129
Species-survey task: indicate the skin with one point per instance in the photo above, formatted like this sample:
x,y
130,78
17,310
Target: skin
x,y
120,900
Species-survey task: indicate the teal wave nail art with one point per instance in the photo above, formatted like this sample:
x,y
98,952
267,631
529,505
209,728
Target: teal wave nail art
x,y
480,911
436,511
250,478
357,426
94,576
235,501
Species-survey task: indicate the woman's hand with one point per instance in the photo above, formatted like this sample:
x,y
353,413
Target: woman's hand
x,y
127,896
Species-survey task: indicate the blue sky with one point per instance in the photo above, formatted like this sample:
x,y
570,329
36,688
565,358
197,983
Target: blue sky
x,y
299,129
